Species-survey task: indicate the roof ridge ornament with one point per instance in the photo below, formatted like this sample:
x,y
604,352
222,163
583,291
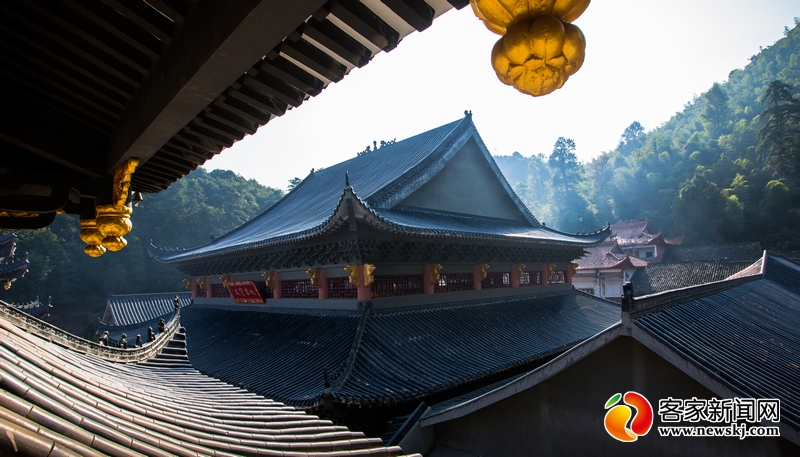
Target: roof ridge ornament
x,y
347,180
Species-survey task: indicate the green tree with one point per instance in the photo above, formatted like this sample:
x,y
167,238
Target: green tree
x,y
716,112
631,138
779,136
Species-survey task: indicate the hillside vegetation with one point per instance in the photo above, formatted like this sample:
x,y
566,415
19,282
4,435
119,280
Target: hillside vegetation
x,y
725,169
184,215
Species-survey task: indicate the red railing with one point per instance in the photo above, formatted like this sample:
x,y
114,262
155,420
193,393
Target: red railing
x,y
298,288
530,278
220,291
341,288
496,280
453,282
558,277
396,285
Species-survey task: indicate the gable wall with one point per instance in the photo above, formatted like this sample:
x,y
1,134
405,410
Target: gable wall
x,y
564,414
467,184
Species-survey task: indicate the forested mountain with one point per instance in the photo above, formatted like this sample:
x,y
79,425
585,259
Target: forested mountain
x,y
184,215
725,169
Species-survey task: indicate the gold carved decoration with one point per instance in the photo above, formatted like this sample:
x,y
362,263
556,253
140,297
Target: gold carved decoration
x,y
7,284
573,267
550,267
368,270
92,237
269,278
202,282
188,283
17,214
355,277
483,267
113,221
225,279
435,276
520,269
540,48
314,273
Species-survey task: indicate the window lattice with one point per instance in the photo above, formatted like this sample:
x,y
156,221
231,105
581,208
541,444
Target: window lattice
x,y
558,277
265,291
298,288
396,285
219,291
453,282
341,288
496,280
530,278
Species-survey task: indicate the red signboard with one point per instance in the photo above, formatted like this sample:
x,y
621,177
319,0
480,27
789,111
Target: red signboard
x,y
244,292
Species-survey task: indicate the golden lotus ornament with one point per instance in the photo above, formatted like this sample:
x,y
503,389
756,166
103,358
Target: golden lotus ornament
x,y
540,48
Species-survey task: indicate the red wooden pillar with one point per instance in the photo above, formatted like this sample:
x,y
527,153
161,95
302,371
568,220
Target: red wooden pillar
x,y
276,280
193,285
569,274
515,275
208,287
476,277
427,280
323,285
545,273
364,291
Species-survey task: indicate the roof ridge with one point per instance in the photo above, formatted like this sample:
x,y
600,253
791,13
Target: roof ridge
x,y
648,304
347,368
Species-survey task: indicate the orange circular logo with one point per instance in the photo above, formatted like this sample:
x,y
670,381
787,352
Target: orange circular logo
x,y
618,421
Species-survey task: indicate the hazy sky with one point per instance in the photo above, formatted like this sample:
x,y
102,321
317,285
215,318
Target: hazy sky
x,y
645,59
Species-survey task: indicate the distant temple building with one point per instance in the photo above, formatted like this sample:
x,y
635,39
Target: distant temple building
x,y
16,266
399,276
632,246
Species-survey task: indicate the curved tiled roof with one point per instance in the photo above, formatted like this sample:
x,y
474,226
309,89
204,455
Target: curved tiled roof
x,y
745,336
58,402
8,242
608,255
663,276
382,176
14,268
129,309
388,356
740,252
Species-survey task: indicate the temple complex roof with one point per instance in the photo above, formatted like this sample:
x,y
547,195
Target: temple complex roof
x,y
739,252
738,337
8,243
406,188
385,356
58,401
663,276
15,268
35,308
637,233
608,255
127,309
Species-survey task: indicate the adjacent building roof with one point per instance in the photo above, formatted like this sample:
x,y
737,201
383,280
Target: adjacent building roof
x,y
738,337
15,268
8,243
55,401
608,255
387,356
740,252
637,233
35,308
376,188
663,276
129,309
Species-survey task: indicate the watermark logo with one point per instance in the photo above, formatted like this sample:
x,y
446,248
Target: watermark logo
x,y
618,421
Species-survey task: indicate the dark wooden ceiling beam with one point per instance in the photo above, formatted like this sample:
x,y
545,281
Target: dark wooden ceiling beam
x,y
335,39
242,109
366,23
218,42
415,13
